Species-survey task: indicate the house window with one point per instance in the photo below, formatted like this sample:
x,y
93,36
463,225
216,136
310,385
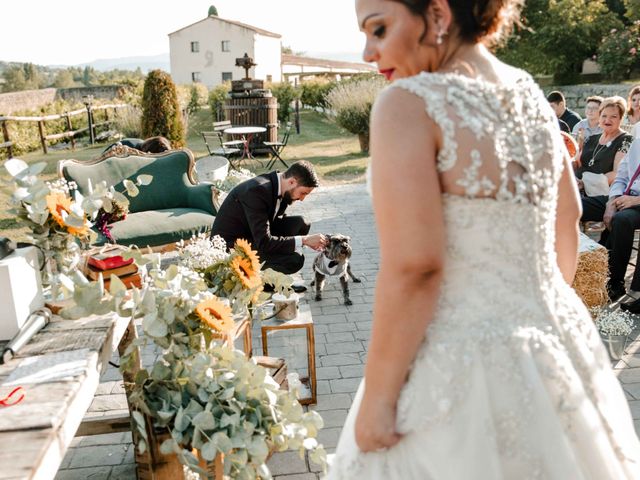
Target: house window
x,y
195,47
227,76
226,45
195,76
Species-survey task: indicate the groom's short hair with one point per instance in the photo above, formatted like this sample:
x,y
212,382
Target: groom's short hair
x,y
304,173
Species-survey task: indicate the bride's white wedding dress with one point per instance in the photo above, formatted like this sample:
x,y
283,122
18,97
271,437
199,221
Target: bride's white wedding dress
x,y
512,381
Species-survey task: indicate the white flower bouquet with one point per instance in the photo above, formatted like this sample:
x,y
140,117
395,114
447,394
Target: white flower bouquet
x,y
614,323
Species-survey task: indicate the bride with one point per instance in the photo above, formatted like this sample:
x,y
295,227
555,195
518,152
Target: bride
x,y
483,363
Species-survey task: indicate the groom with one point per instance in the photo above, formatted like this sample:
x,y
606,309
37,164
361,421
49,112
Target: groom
x,y
254,210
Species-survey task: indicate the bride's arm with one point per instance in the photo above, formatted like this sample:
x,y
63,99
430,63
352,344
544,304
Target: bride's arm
x,y
408,210
568,212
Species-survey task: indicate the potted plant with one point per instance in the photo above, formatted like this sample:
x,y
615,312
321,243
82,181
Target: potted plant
x,y
210,399
351,103
614,327
202,403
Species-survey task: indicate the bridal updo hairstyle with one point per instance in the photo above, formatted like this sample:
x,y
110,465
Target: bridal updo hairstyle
x,y
489,21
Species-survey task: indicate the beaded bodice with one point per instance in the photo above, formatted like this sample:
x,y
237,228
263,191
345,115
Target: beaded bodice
x,y
500,162
510,354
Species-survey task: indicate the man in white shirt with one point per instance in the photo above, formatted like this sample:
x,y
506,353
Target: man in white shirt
x,y
255,211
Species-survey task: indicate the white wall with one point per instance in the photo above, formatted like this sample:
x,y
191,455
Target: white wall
x,y
268,57
210,61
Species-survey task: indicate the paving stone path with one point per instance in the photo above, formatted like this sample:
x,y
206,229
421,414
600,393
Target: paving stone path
x,y
341,333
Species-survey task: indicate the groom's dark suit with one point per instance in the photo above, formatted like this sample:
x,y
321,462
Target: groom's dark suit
x,y
249,212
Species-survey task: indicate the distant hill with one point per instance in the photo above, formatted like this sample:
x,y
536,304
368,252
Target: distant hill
x,y
146,63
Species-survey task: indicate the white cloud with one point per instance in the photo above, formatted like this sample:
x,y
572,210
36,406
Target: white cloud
x,y
76,31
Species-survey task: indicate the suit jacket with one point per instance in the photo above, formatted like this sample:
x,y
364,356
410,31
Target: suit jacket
x,y
248,212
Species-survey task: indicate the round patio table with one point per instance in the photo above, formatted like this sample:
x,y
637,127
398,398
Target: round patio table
x,y
247,134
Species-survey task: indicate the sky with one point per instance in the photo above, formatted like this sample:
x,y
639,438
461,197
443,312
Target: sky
x,y
69,32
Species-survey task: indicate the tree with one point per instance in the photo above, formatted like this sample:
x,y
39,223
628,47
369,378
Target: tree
x,y
64,79
632,10
559,36
160,110
89,76
213,11
32,76
14,79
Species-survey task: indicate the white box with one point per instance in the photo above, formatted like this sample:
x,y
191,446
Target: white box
x,y
20,290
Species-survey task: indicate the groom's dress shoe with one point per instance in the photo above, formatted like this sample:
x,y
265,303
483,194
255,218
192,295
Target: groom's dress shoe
x,y
297,288
631,307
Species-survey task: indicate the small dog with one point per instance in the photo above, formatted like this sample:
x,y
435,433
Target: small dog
x,y
334,260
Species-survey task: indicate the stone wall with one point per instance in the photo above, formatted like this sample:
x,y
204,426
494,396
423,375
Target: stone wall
x,y
104,92
25,100
576,95
33,99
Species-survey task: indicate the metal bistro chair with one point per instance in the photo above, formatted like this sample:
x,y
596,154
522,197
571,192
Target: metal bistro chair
x,y
227,149
276,148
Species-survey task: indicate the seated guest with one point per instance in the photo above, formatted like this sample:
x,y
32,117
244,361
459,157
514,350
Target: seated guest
x,y
150,145
557,102
254,210
155,145
633,113
602,153
620,212
591,124
564,127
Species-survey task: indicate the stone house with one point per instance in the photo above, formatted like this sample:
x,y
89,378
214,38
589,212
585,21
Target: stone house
x,y
206,52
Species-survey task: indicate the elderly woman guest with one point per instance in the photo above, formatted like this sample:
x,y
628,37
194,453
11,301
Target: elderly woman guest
x,y
591,124
602,153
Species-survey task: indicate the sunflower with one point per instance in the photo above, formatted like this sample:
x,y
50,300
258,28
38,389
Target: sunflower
x,y
242,269
58,202
215,314
244,248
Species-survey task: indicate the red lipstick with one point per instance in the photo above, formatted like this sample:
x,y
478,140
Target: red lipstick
x,y
388,72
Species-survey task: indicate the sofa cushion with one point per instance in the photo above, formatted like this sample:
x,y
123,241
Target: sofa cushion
x,y
159,227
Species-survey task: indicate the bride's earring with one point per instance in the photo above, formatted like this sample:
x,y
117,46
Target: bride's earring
x,y
441,33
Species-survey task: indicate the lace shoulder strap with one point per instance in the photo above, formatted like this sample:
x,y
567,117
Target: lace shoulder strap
x,y
434,94
499,140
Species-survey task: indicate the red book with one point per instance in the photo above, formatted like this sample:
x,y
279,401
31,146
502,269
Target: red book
x,y
108,260
93,273
130,281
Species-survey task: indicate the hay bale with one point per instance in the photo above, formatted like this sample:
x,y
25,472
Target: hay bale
x,y
590,282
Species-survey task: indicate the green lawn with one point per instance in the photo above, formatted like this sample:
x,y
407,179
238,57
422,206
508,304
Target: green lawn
x,y
335,153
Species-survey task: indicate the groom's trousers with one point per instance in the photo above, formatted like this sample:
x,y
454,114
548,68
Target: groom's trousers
x,y
286,226
619,239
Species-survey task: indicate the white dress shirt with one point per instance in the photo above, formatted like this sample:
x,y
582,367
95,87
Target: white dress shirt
x,y
626,170
297,238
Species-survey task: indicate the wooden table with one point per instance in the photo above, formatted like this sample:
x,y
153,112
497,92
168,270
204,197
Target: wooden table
x,y
35,433
303,320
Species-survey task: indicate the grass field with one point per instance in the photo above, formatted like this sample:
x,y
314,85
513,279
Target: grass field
x,y
335,154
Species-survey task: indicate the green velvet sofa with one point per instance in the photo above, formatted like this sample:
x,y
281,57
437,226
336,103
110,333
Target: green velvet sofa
x,y
172,207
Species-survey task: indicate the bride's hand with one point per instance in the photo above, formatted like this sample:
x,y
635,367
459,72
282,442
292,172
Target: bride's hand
x,y
376,425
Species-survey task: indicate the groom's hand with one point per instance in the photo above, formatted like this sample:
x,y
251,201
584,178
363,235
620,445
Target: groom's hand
x,y
316,241
376,425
